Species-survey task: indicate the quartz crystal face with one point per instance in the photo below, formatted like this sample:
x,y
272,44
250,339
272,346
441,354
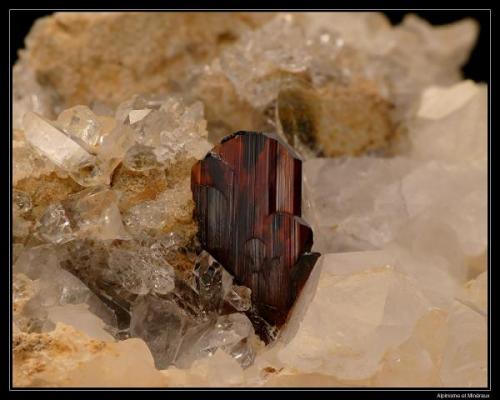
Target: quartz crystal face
x,y
184,326
143,256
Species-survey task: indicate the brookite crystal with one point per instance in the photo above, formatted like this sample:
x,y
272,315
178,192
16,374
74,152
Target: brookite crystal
x,y
247,192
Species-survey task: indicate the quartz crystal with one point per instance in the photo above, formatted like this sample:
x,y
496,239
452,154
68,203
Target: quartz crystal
x,y
167,128
142,272
71,153
56,296
112,284
85,127
27,161
53,143
91,213
240,298
184,326
55,226
375,199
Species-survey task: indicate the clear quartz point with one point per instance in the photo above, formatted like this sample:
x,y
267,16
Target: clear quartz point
x,y
85,127
54,225
239,297
209,282
142,271
90,213
54,143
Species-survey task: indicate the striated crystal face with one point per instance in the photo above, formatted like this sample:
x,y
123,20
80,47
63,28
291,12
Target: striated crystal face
x,y
247,192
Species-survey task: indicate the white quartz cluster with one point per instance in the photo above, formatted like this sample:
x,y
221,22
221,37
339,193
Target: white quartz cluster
x,y
407,236
107,290
108,269
402,60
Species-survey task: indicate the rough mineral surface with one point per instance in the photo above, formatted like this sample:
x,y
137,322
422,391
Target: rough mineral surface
x,y
109,56
110,284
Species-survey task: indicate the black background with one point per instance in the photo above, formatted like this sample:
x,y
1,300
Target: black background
x,y
477,68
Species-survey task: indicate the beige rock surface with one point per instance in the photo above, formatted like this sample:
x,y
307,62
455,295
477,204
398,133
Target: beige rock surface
x,y
67,357
109,56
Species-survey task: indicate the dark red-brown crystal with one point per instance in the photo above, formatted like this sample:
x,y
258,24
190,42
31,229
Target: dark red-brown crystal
x,y
247,192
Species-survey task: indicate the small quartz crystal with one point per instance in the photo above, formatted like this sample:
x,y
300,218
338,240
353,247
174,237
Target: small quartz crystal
x,y
55,226
85,127
142,272
54,144
91,213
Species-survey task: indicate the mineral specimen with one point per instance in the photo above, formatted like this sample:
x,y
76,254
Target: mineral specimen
x,y
110,286
363,203
247,192
110,56
191,322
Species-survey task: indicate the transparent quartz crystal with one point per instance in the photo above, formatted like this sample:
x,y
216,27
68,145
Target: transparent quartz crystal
x,y
254,63
185,325
95,213
165,129
229,330
91,213
85,127
53,289
149,215
136,108
54,144
54,225
239,297
176,337
161,324
142,270
21,204
209,282
27,161
229,333
74,152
